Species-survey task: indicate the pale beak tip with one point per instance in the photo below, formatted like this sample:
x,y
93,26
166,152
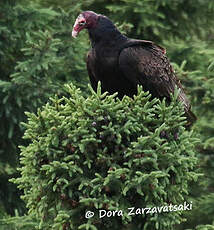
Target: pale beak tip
x,y
74,34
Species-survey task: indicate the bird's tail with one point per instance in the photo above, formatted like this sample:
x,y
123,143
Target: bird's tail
x,y
191,118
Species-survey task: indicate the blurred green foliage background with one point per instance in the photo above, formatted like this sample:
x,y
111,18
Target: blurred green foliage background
x,y
38,55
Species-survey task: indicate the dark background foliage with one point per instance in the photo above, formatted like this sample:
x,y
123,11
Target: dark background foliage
x,y
38,55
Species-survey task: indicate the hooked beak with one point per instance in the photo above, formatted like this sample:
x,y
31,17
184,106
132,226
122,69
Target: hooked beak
x,y
74,33
77,26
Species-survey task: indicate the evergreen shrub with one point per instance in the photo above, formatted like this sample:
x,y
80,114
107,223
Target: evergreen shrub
x,y
102,153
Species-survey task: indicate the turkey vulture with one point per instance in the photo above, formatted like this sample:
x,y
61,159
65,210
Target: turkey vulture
x,y
121,63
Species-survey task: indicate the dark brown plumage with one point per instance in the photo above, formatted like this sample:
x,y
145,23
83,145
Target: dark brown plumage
x,y
121,63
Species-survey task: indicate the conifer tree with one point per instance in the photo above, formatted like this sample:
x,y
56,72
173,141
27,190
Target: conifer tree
x,y
185,29
102,153
37,57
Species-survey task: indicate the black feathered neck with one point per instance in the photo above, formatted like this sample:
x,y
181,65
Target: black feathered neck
x,y
104,31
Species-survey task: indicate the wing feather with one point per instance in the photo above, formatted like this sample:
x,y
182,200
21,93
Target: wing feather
x,y
91,71
149,67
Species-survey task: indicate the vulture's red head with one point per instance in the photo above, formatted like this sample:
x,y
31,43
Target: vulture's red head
x,y
86,19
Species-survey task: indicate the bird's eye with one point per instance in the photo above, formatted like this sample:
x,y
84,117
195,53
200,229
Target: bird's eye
x,y
82,23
